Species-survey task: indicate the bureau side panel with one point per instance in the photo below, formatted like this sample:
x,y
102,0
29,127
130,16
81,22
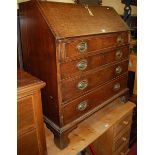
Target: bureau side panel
x,y
39,56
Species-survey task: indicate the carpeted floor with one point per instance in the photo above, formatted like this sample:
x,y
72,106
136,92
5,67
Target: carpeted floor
x,y
133,150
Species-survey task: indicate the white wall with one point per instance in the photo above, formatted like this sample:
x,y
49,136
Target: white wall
x,y
66,1
19,1
116,4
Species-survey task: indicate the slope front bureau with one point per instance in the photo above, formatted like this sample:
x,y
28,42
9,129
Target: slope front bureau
x,y
82,57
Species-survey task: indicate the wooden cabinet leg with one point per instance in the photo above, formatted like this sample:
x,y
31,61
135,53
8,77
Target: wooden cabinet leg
x,y
61,140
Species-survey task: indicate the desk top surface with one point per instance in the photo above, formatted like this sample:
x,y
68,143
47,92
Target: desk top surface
x,y
90,129
27,82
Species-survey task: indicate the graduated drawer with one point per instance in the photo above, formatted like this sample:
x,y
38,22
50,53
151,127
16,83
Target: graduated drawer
x,y
123,150
122,124
84,46
74,87
27,144
84,104
75,67
121,139
25,114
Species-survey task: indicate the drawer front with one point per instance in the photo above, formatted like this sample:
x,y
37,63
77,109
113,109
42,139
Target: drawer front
x,y
123,151
72,68
25,114
27,144
84,104
79,85
122,124
121,139
85,46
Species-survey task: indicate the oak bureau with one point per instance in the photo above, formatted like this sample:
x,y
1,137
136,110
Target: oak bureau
x,y
81,52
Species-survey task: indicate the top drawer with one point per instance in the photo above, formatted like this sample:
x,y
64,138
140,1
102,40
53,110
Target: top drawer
x,y
86,46
25,114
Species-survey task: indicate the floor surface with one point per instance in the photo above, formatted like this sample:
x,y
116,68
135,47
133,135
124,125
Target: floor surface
x,y
133,150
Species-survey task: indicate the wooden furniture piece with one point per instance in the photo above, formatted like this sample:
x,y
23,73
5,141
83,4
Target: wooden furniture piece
x,y
133,98
30,128
133,68
133,133
81,55
116,140
101,124
19,51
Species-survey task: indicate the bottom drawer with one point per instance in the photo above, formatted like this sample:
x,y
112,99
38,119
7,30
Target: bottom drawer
x,y
121,139
122,151
27,144
87,102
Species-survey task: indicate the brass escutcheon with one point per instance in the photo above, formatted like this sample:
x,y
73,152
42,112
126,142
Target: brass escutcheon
x,y
118,70
82,84
82,65
116,87
118,54
82,46
82,106
120,40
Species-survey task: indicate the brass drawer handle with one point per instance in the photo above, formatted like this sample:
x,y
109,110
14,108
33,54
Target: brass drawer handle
x,y
118,54
116,87
120,40
124,139
82,46
125,122
82,84
124,98
82,65
118,70
82,106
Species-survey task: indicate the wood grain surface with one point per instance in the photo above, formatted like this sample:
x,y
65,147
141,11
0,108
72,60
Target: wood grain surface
x,y
90,129
77,21
53,34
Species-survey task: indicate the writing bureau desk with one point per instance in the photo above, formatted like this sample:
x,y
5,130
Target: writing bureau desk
x,y
84,62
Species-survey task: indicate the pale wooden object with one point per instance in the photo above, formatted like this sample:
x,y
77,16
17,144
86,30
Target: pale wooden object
x,y
133,67
90,129
115,141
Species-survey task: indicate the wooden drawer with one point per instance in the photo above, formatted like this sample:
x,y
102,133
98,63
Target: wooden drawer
x,y
27,144
121,139
122,124
86,46
79,85
75,67
84,104
122,151
25,114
